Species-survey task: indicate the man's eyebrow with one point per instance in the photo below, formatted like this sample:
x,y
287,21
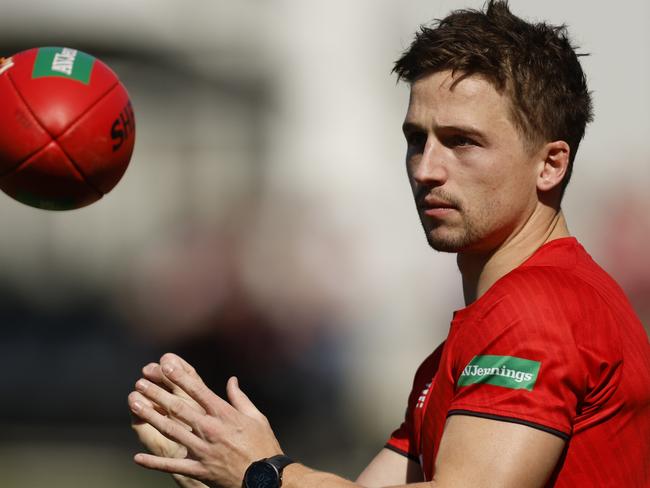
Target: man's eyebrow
x,y
462,129
409,127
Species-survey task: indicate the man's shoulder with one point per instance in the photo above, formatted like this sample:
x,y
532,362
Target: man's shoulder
x,y
535,289
579,306
533,298
575,284
561,271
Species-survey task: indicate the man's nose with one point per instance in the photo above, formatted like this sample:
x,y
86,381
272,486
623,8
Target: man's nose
x,y
430,169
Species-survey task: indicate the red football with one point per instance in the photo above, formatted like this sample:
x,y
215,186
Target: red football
x,y
67,128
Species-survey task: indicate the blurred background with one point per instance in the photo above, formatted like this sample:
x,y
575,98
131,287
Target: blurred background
x,y
265,227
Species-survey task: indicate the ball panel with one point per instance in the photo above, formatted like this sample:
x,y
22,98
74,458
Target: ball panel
x,y
101,142
48,180
57,101
21,134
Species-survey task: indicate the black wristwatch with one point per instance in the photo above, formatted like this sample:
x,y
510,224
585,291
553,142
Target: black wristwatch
x,y
266,473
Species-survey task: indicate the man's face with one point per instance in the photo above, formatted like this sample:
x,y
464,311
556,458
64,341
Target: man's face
x,y
473,179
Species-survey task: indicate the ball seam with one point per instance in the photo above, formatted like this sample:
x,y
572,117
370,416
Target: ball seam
x,y
54,138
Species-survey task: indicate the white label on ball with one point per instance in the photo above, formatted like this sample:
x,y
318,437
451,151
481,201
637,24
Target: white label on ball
x,y
64,61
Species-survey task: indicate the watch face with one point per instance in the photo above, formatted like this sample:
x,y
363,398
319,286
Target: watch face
x,y
262,475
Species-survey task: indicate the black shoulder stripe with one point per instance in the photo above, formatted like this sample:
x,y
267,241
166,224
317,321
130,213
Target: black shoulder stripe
x,y
513,420
403,453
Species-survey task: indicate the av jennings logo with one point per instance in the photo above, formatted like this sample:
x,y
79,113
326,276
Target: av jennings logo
x,y
63,62
505,371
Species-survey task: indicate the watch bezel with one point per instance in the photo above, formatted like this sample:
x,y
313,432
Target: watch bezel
x,y
265,463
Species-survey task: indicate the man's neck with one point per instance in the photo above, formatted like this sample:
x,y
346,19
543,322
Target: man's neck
x,y
481,271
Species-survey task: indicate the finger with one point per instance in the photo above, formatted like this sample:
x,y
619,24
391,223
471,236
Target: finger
x,y
143,400
175,357
170,428
186,378
240,400
187,467
153,405
153,373
140,398
149,403
172,404
135,420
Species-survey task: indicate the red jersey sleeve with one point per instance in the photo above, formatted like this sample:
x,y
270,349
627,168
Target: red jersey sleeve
x,y
405,440
527,358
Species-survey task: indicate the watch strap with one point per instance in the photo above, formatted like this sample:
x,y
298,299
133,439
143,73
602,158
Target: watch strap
x,y
280,461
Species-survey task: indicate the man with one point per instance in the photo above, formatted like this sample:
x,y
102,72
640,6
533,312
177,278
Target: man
x,y
544,379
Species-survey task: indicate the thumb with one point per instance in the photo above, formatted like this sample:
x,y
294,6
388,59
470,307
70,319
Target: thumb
x,y
239,399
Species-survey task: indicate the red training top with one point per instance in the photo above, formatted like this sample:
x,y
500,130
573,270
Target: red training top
x,y
554,345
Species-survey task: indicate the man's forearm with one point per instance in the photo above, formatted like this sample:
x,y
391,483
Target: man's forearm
x,y
299,476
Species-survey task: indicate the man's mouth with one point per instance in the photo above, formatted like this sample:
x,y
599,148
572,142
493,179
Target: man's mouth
x,y
436,207
432,202
438,211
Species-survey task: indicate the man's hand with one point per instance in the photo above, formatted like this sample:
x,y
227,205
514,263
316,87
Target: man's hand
x,y
221,438
153,440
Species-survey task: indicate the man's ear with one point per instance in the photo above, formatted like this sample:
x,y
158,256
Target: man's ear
x,y
554,159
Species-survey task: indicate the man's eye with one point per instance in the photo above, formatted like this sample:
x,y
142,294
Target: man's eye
x,y
460,141
417,139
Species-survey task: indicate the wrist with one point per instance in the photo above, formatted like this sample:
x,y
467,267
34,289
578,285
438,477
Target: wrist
x,y
294,475
267,472
300,476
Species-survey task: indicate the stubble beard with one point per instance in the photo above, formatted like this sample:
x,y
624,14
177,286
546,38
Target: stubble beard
x,y
464,231
462,236
452,242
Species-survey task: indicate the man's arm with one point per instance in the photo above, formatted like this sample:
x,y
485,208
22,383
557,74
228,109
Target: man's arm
x,y
228,436
480,452
474,453
389,468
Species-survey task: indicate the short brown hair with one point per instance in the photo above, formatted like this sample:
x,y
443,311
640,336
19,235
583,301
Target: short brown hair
x,y
533,63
